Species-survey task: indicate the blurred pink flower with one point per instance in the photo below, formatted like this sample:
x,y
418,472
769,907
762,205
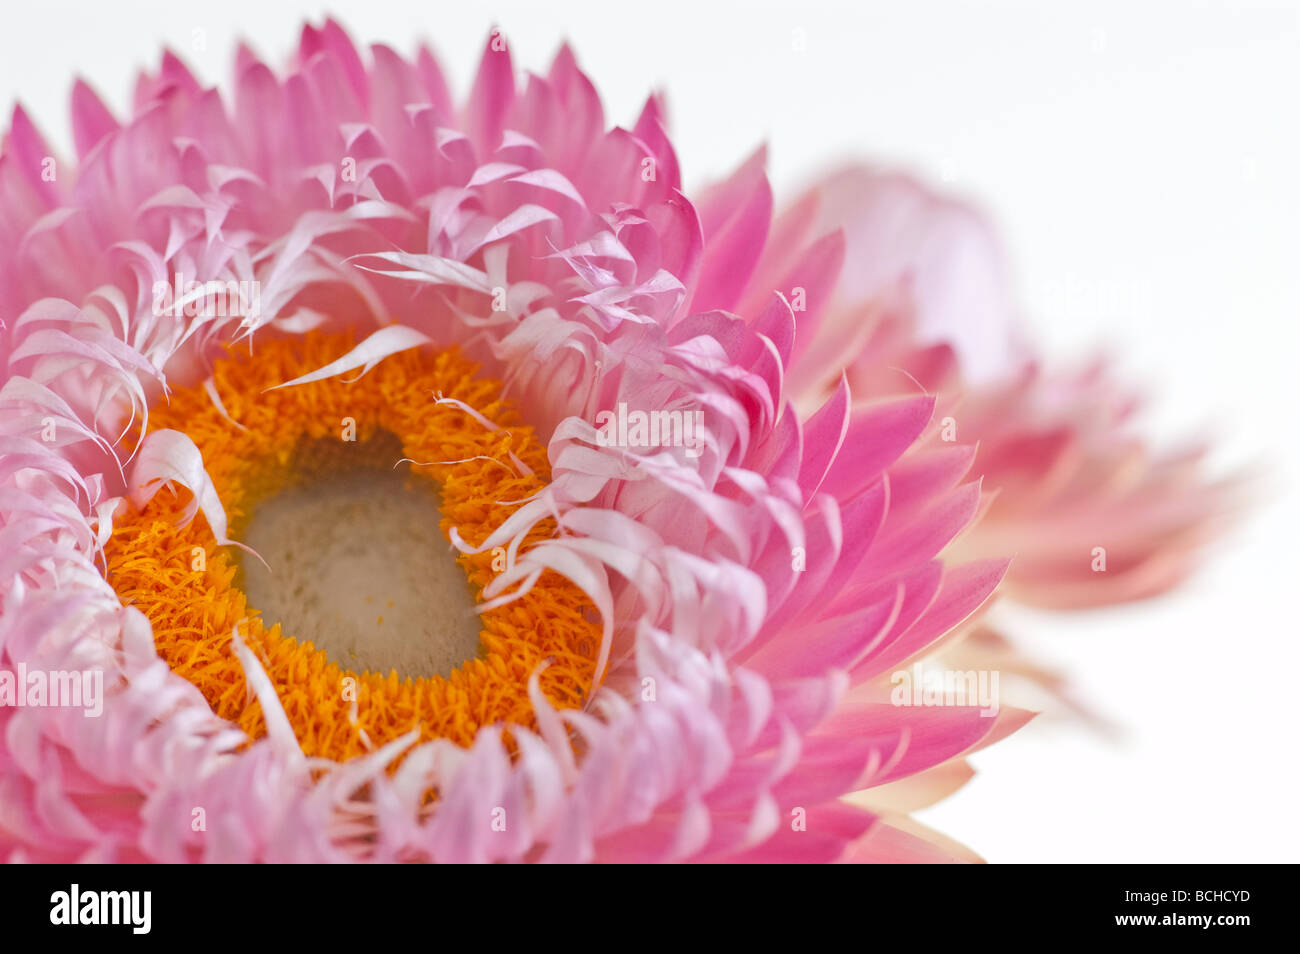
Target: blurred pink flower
x,y
929,308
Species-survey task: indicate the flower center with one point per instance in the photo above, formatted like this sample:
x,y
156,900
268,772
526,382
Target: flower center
x,y
363,623
351,564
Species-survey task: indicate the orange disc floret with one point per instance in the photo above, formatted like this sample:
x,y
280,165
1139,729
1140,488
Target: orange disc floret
x,y
186,584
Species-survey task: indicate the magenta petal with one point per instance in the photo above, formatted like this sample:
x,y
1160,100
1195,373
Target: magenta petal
x,y
877,436
735,218
91,120
491,96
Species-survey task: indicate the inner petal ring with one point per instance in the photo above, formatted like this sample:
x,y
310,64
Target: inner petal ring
x,y
338,438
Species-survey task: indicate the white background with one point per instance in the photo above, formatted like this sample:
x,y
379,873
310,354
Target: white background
x,y
1140,161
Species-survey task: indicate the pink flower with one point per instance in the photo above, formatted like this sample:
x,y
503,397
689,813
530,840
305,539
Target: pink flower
x,y
751,588
1089,513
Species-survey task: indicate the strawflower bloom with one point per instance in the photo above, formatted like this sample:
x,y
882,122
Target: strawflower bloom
x,y
436,481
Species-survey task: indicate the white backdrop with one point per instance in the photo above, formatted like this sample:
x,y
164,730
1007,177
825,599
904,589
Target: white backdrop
x,y
1141,163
